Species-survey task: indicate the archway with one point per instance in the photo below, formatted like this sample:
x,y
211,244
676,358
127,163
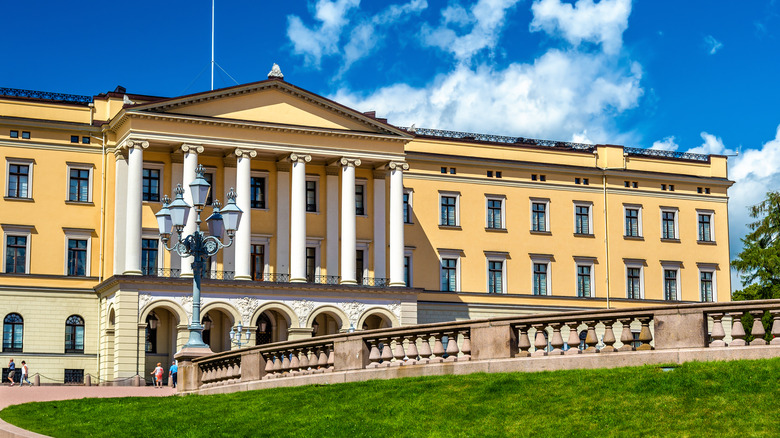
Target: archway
x,y
272,326
159,343
377,318
216,329
327,321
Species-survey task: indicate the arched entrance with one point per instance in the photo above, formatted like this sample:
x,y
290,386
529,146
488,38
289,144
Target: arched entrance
x,y
326,323
376,321
159,341
216,329
272,326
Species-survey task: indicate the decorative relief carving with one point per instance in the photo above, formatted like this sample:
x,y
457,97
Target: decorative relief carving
x,y
276,72
395,307
353,309
192,148
352,162
303,309
186,304
398,165
247,307
143,300
300,158
120,153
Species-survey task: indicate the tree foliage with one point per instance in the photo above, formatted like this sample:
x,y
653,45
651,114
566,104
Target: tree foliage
x,y
759,262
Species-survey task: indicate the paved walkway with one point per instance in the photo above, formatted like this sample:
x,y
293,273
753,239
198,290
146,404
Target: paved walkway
x,y
14,395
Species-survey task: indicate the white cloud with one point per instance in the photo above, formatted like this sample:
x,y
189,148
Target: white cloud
x,y
318,41
667,144
712,145
713,45
601,23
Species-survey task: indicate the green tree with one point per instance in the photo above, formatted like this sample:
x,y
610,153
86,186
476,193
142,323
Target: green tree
x,y
759,262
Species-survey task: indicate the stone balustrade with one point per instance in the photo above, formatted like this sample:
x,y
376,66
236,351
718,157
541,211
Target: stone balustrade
x,y
570,340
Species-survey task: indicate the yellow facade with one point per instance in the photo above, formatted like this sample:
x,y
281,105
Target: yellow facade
x,y
491,235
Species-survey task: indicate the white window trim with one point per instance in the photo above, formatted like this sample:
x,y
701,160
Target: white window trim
x,y
316,243
713,268
264,175
148,233
456,195
19,161
546,203
635,264
18,230
496,257
82,166
361,182
588,204
410,194
639,219
671,266
501,198
542,259
591,263
676,212
364,246
711,214
262,240
161,168
450,254
410,253
317,188
80,235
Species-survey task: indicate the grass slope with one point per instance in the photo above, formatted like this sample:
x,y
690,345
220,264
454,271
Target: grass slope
x,y
738,398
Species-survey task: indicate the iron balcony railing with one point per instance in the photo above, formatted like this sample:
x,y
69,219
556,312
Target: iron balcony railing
x,y
324,279
266,277
45,95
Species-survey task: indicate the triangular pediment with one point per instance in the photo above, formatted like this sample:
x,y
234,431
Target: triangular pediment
x,y
273,102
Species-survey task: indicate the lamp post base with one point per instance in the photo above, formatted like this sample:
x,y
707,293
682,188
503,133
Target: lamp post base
x,y
187,354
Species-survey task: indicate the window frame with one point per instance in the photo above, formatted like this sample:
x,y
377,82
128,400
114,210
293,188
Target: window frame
x,y
496,257
450,254
17,231
711,215
316,180
635,264
546,260
213,172
159,167
74,337
501,211
676,212
711,269
316,245
79,166
447,194
589,205
263,241
13,349
264,176
638,207
18,162
676,267
589,262
546,203
149,235
364,184
408,205
72,234
409,267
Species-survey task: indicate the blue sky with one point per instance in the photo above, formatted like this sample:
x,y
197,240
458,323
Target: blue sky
x,y
693,75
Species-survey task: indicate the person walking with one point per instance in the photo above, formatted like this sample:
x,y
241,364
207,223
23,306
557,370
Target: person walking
x,y
25,372
158,374
172,372
11,371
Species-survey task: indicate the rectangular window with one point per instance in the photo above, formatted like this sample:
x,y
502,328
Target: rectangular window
x,y
74,138
495,277
490,174
360,199
668,224
670,284
16,254
149,256
18,180
257,189
258,262
14,134
448,211
540,278
209,177
498,174
85,140
79,185
311,263
443,170
706,286
705,227
311,196
151,185
449,279
26,135
633,283
494,208
77,257
582,219
632,222
407,207
583,281
539,216
359,265
407,271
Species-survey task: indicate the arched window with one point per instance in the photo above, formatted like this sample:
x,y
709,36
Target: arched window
x,y
13,326
74,334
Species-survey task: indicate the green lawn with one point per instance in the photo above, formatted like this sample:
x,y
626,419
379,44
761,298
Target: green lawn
x,y
712,399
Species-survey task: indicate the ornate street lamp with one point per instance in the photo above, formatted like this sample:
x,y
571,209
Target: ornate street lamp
x,y
173,216
235,337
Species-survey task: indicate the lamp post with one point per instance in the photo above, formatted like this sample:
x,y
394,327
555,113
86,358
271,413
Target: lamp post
x,y
235,337
173,216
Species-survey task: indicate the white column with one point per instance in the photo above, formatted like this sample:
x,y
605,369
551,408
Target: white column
x,y
243,239
120,210
282,218
229,253
380,239
188,175
298,218
332,220
397,223
348,233
177,163
135,169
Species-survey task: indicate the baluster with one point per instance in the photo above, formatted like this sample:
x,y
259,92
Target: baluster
x,y
305,361
438,349
295,363
540,342
452,346
387,354
758,328
331,358
269,366
374,356
523,343
425,349
737,330
277,365
466,350
322,360
574,338
626,338
717,331
775,327
645,337
411,350
591,340
609,337
286,362
557,340
398,351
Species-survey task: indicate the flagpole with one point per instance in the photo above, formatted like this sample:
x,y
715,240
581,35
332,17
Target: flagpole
x,y
212,45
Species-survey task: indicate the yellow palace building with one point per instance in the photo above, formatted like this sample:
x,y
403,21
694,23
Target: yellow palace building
x,y
349,223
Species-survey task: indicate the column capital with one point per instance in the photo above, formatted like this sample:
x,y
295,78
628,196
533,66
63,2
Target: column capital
x,y
120,153
351,162
188,148
133,143
398,165
299,158
245,153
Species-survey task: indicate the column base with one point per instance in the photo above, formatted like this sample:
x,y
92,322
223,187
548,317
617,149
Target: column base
x,y
243,277
402,284
139,273
297,280
352,282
